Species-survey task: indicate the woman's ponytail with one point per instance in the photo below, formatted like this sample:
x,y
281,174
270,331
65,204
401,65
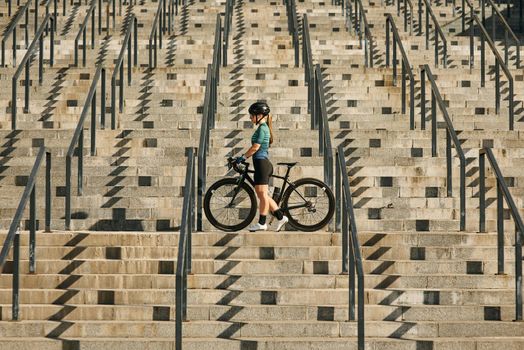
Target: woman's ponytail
x,y
270,124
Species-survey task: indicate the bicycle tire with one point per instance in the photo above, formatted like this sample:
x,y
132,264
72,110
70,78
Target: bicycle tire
x,y
213,220
293,220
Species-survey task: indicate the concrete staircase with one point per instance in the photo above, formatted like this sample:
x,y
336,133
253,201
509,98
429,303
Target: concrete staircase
x,y
110,282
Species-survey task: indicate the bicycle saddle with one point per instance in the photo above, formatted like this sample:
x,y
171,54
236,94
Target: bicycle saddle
x,y
288,164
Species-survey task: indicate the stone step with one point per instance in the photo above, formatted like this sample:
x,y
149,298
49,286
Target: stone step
x,y
252,313
327,329
254,267
310,297
314,253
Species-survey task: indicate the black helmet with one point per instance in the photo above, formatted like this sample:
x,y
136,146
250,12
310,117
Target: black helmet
x,y
259,108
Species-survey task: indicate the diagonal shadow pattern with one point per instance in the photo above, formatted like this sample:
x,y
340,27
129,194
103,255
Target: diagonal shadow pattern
x,y
65,285
54,93
71,19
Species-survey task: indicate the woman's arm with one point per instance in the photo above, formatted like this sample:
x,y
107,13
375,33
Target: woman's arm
x,y
252,150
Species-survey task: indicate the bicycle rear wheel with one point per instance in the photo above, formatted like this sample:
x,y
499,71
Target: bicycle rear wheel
x,y
228,206
309,204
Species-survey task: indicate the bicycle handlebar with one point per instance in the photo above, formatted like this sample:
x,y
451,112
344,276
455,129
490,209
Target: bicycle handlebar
x,y
231,163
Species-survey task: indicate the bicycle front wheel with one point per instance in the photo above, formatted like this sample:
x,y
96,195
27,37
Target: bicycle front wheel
x,y
309,204
230,206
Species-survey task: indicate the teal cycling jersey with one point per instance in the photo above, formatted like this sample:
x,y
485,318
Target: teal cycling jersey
x,y
261,136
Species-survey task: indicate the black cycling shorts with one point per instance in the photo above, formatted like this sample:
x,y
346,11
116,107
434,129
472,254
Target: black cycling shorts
x,y
263,171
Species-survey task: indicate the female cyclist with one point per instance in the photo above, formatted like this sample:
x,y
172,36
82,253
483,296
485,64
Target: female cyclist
x,y
260,141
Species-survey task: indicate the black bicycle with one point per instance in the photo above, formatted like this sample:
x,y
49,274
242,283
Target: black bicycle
x,y
230,204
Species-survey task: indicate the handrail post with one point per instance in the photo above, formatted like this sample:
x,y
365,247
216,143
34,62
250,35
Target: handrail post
x,y
394,59
13,103
52,43
26,33
500,230
518,273
93,29
40,61
482,191
48,192
422,99
482,62
433,124
76,53
427,28
16,276
360,310
436,48
387,43
26,85
32,230
449,182
403,88
150,49
129,65
68,194
113,101
351,274
497,87
103,100
411,103
471,45
506,49
36,15
121,88
420,17
338,170
84,53
345,238
135,42
80,174
93,124
99,17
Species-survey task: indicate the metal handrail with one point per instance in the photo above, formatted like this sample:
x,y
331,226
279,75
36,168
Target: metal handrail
x,y
78,139
406,68
12,29
499,63
451,135
208,118
217,57
112,4
307,62
157,29
507,30
350,244
360,22
82,31
228,19
26,63
437,32
13,235
119,68
291,9
324,135
412,14
187,226
502,192
55,13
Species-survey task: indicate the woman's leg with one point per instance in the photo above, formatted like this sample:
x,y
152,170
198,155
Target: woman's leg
x,y
266,202
272,204
261,191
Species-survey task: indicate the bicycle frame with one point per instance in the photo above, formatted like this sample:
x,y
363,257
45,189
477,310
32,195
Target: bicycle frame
x,y
244,175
